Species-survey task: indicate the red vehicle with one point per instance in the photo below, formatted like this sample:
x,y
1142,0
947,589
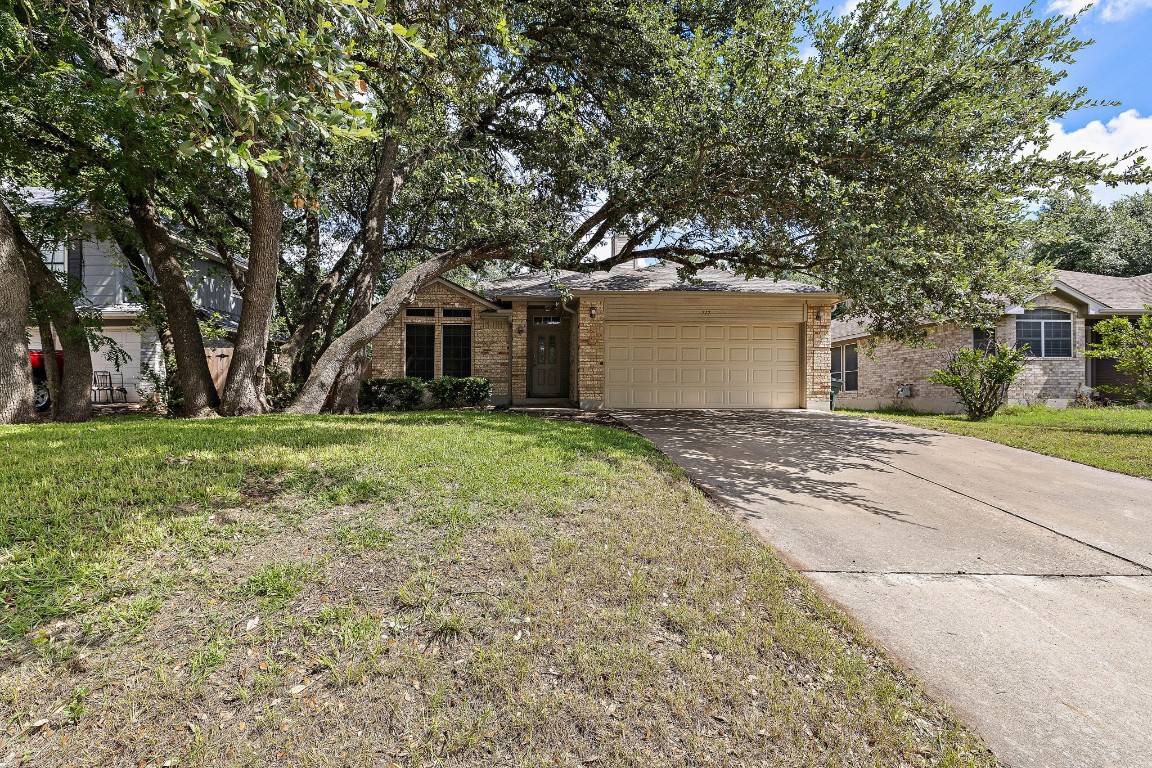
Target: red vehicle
x,y
40,377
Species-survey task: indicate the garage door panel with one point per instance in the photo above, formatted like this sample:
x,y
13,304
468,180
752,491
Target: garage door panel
x,y
702,365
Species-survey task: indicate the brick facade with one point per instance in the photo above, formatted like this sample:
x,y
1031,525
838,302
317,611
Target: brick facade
x,y
500,345
588,343
817,356
884,370
490,338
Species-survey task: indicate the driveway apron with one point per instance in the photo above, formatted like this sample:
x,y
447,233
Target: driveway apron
x,y
1017,586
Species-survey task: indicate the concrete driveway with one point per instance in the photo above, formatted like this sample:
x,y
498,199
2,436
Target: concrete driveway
x,y
1017,586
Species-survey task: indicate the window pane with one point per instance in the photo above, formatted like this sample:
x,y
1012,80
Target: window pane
x,y
57,258
420,312
1058,348
850,381
550,320
1057,330
982,339
1046,314
457,344
457,313
837,357
420,350
851,358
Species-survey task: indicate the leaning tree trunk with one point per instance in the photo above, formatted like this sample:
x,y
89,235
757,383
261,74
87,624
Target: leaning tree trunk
x,y
15,370
324,374
200,398
346,397
244,388
73,400
386,182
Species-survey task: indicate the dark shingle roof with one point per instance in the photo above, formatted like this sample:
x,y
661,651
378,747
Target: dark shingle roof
x,y
1120,293
1123,294
658,277
850,328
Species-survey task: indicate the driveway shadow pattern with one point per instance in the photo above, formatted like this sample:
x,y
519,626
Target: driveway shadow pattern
x,y
1018,586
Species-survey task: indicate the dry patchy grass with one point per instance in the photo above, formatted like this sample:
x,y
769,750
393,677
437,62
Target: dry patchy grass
x,y
430,589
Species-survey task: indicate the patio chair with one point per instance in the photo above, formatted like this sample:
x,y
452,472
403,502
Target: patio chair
x,y
101,386
118,387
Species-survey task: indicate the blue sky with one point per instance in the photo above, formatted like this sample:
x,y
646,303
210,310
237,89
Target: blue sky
x,y
1117,67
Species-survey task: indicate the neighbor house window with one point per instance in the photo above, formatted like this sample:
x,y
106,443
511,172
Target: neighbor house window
x,y
57,258
420,350
420,312
1045,333
845,367
456,349
450,312
983,340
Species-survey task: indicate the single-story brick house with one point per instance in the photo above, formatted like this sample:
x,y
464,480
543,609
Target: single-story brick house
x,y
634,337
1055,327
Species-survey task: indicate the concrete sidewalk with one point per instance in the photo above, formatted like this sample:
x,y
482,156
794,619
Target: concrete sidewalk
x,y
1017,586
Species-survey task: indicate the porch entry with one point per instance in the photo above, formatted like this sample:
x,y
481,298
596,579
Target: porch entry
x,y
548,352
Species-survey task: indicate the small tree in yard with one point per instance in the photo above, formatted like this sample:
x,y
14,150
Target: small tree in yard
x,y
1129,343
981,379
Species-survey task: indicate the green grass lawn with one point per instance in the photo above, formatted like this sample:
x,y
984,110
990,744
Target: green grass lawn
x,y
413,590
1119,439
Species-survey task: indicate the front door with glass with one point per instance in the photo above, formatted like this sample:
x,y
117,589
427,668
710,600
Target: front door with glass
x,y
548,356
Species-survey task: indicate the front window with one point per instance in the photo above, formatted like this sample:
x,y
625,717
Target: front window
x,y
57,258
983,340
420,350
1045,333
456,344
845,367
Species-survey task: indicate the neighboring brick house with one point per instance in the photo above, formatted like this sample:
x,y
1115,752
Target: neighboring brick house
x,y
629,338
1055,327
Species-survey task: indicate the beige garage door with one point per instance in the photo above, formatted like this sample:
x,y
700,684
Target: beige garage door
x,y
702,365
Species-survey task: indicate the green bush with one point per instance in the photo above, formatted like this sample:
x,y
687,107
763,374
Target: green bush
x,y
1129,343
401,394
981,378
451,392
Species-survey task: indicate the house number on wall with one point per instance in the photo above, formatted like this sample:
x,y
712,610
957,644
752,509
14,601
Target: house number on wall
x,y
705,311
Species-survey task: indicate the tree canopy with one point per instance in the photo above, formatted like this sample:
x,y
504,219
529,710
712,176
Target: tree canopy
x,y
348,152
1076,233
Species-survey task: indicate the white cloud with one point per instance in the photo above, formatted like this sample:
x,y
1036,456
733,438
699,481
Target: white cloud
x,y
1108,10
847,7
1122,134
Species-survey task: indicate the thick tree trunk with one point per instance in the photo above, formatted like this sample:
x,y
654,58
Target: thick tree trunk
x,y
199,393
73,400
299,343
244,388
15,370
324,374
346,398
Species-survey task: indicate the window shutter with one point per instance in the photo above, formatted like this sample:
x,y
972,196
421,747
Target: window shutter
x,y
76,260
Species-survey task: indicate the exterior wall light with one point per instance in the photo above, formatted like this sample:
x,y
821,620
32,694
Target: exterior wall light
x,y
519,330
592,313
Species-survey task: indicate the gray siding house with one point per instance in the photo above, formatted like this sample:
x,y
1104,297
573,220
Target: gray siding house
x,y
109,288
